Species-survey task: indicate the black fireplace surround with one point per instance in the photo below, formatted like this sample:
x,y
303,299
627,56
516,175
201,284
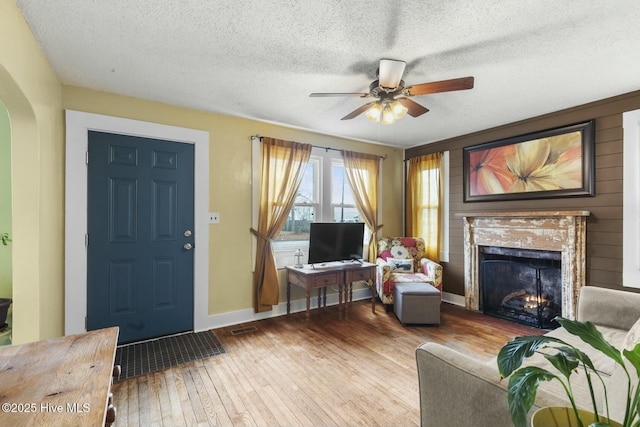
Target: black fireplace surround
x,y
524,286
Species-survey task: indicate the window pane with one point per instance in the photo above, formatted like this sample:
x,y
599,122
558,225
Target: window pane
x,y
306,205
306,191
429,220
340,190
297,225
345,214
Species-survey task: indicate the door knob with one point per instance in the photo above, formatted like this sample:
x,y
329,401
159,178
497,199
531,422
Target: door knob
x,y
187,233
188,246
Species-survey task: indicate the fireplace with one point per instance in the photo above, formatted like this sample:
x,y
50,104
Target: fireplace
x,y
563,232
521,285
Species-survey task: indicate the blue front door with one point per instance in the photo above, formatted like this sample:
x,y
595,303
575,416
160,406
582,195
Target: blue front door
x,y
140,236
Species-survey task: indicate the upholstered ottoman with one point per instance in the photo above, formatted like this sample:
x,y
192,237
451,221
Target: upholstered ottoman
x,y
417,303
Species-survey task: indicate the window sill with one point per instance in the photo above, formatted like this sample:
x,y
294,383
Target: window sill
x,y
284,251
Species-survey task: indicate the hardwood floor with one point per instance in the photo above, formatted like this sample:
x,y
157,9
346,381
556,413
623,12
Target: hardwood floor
x,y
358,371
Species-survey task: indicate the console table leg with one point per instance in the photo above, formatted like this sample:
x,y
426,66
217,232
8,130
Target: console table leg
x,y
346,295
308,314
288,297
374,293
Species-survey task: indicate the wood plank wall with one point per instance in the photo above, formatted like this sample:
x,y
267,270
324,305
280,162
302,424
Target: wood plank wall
x,y
604,226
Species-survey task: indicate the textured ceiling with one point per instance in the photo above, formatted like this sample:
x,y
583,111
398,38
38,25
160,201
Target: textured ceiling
x,y
261,59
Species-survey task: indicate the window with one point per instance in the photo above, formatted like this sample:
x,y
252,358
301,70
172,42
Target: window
x,y
324,196
306,205
444,223
343,208
631,200
428,205
314,205
424,218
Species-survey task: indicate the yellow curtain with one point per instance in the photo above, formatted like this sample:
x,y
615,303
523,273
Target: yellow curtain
x,y
363,172
423,201
283,164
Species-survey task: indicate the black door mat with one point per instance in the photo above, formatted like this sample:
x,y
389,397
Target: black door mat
x,y
162,353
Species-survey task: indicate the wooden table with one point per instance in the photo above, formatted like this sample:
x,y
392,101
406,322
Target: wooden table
x,y
62,381
341,274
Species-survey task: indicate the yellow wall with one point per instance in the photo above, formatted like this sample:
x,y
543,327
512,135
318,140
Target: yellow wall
x,y
5,201
230,280
31,92
35,101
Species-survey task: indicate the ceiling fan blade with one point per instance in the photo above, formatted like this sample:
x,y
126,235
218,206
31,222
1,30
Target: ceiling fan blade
x,y
390,73
320,95
358,111
441,86
414,109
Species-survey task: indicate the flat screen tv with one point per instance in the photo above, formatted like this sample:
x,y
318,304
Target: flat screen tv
x,y
335,241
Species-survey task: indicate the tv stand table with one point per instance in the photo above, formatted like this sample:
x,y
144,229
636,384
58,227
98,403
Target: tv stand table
x,y
319,277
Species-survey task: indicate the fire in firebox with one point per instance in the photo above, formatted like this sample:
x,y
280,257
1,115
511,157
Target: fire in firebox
x,y
521,288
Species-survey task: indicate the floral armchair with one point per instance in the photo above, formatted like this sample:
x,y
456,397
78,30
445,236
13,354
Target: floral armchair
x,y
402,259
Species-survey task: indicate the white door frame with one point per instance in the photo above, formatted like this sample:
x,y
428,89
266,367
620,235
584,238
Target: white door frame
x,y
77,126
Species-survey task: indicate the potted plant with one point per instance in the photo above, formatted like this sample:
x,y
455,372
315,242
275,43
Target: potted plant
x,y
566,359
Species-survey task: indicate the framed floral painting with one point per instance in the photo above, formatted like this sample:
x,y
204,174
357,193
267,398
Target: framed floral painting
x,y
551,163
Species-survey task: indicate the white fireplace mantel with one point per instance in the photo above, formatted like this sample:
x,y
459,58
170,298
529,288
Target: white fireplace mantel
x,y
561,231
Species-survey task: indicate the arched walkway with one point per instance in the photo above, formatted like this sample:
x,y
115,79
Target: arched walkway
x,y
25,210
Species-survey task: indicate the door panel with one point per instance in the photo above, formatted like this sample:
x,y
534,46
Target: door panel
x,y
122,291
164,225
123,216
165,292
140,203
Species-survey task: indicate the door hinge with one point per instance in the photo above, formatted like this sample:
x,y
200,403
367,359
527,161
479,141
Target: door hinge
x,y
85,323
86,240
86,157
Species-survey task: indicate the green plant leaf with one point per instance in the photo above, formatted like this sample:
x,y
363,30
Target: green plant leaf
x,y
588,333
636,418
521,394
563,361
633,356
515,351
578,355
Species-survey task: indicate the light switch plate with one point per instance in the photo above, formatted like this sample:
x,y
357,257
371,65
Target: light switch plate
x,y
214,217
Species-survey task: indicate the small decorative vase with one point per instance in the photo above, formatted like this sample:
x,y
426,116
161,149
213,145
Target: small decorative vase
x,y
297,258
559,416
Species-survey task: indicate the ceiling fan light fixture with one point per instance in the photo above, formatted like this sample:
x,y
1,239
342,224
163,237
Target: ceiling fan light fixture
x,y
398,109
392,95
386,112
373,113
387,115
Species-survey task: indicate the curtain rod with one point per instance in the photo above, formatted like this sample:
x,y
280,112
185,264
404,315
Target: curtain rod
x,y
258,136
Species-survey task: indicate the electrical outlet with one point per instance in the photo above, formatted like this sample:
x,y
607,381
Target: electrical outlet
x,y
214,217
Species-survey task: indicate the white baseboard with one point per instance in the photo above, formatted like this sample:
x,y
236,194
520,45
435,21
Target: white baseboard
x,y
248,315
453,299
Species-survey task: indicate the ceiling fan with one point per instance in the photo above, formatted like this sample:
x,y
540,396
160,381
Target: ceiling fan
x,y
393,97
